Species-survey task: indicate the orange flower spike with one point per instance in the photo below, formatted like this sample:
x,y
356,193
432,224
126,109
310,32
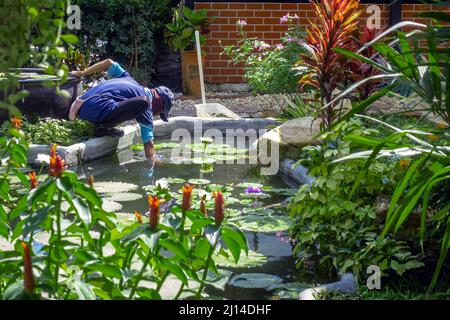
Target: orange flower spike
x,y
33,180
219,207
91,181
57,164
187,195
138,216
28,278
154,211
16,122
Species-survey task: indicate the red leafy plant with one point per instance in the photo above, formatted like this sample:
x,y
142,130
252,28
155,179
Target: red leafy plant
x,y
360,70
323,69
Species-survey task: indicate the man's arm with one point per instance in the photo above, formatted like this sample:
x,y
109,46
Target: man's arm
x,y
149,148
101,66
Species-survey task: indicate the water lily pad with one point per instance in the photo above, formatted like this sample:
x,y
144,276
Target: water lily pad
x,y
219,187
174,180
111,206
227,157
246,185
254,259
114,187
255,280
199,181
262,223
166,145
123,197
203,161
284,192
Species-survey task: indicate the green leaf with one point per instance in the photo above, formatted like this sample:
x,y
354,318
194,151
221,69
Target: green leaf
x,y
84,291
107,270
176,270
176,247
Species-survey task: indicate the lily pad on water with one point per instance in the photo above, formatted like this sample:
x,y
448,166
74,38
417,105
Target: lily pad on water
x,y
255,280
199,181
203,161
158,146
111,206
262,223
123,197
254,259
114,187
174,180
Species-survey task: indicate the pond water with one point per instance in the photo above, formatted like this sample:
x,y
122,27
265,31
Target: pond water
x,y
264,219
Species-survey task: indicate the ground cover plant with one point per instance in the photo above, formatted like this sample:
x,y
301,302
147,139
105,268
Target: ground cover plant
x,y
59,131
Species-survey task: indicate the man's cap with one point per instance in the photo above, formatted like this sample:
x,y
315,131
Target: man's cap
x,y
167,96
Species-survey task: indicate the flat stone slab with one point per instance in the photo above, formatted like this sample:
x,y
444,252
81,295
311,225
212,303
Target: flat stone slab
x,y
97,148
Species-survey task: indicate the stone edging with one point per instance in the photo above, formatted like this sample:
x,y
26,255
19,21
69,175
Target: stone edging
x,y
97,148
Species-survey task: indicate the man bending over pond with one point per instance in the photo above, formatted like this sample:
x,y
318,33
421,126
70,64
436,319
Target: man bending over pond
x,y
121,99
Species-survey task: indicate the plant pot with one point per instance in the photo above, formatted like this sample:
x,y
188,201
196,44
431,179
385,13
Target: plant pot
x,y
189,73
43,101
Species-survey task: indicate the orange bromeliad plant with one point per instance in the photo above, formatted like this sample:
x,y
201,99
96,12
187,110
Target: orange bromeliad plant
x,y
57,164
28,278
138,216
219,208
335,22
187,195
33,180
153,211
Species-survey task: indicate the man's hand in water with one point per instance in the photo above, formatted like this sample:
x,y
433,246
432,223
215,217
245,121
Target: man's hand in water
x,y
149,149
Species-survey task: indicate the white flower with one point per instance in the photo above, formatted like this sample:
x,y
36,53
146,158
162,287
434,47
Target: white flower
x,y
203,193
43,158
207,140
162,183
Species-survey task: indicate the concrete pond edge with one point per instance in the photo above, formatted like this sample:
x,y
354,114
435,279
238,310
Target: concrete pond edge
x,y
97,148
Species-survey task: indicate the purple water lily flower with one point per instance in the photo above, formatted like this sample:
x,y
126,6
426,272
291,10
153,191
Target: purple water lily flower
x,y
252,189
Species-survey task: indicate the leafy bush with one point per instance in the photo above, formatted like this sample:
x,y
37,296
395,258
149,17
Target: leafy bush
x,y
180,34
339,226
123,30
268,69
62,132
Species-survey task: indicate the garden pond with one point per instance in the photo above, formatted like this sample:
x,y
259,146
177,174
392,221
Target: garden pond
x,y
255,203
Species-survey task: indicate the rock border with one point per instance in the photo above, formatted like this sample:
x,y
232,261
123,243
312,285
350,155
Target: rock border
x,y
97,148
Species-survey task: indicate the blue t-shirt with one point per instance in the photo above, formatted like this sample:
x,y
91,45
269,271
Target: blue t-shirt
x,y
100,100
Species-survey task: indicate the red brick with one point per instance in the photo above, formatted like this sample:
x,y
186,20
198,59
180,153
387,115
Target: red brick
x,y
272,6
226,13
272,35
219,79
289,6
229,27
245,14
203,5
255,6
228,71
256,20
221,6
271,21
219,35
237,6
235,79
263,13
264,27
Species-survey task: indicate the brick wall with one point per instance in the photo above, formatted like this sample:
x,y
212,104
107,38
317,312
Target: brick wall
x,y
263,21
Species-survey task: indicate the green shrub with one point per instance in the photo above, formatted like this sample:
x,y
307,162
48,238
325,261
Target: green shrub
x,y
340,228
61,132
268,69
124,31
